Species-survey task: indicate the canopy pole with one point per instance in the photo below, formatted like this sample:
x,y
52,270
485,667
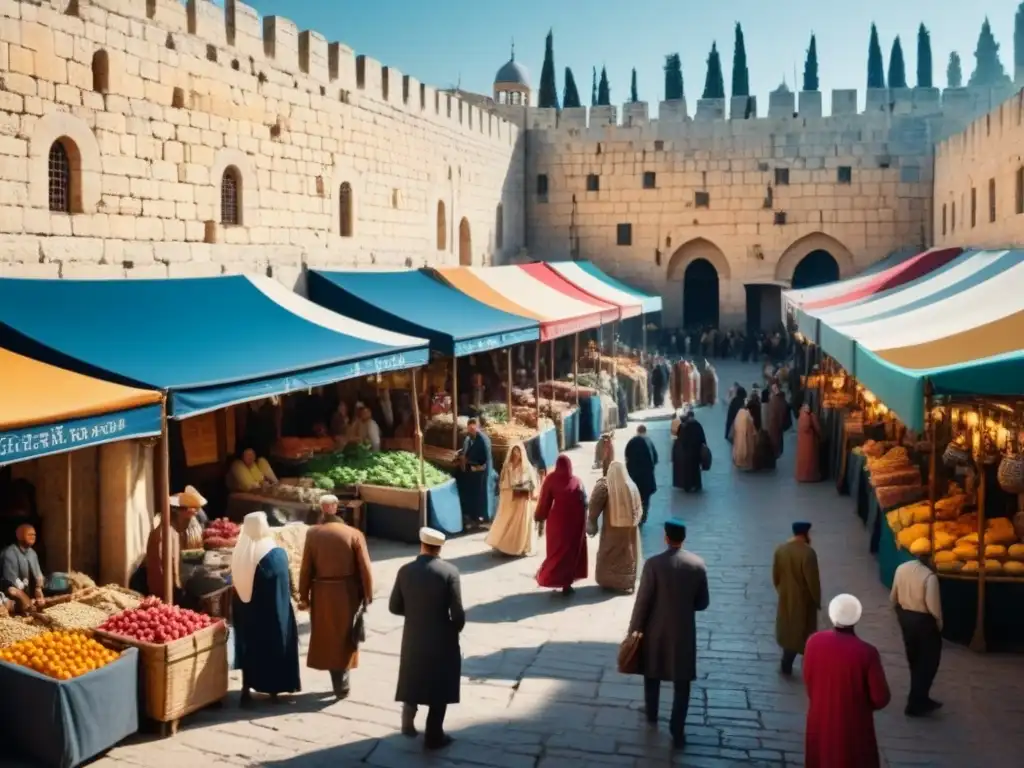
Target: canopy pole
x,y
978,643
615,362
933,481
536,380
643,338
598,371
67,506
163,491
455,402
508,373
552,354
576,365
418,434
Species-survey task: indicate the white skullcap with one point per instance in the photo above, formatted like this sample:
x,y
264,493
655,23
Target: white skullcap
x,y
328,498
844,610
431,538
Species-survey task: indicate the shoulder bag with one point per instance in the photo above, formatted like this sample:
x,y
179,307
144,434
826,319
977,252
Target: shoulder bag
x,y
705,457
359,626
629,654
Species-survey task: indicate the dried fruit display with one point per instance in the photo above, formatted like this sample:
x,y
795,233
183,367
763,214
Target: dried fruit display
x,y
74,615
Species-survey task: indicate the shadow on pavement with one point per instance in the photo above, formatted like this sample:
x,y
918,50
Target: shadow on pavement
x,y
531,604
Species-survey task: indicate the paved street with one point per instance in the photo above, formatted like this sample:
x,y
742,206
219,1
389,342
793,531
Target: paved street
x,y
540,686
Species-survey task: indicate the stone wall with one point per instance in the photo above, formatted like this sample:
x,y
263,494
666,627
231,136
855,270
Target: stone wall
x,y
979,181
155,101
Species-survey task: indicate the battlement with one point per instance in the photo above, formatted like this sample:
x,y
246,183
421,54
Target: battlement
x,y
238,45
952,109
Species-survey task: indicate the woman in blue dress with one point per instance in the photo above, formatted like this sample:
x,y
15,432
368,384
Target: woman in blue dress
x,y
266,637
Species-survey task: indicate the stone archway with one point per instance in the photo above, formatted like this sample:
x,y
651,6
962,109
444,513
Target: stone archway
x,y
808,244
700,294
699,249
465,244
816,268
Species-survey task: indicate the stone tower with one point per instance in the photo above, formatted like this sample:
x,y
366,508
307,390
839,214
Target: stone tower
x,y
512,83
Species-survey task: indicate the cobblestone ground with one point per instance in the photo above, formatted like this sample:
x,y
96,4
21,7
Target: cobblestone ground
x,y
540,686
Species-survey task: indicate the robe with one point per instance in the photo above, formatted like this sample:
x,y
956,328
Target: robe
x,y
686,469
845,685
428,594
618,551
641,458
512,530
744,437
335,578
754,406
808,441
796,580
778,416
562,506
266,636
476,481
658,380
735,405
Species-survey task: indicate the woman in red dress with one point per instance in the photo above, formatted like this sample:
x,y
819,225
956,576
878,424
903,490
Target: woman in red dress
x,y
562,509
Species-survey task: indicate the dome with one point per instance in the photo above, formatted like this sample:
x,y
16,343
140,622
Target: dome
x,y
782,88
512,73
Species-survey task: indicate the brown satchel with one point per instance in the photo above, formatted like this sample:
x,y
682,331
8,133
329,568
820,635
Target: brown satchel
x,y
629,654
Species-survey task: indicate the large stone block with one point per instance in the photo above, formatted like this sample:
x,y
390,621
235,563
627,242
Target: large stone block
x,y
927,101
206,21
781,104
844,102
742,107
672,111
876,100
368,76
542,119
901,101
634,113
313,55
810,104
573,117
244,30
281,42
603,115
710,110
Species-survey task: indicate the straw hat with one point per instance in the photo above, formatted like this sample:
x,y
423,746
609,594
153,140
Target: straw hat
x,y
190,498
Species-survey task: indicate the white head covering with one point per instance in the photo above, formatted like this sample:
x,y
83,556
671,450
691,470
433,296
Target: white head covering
x,y
844,610
623,497
254,542
328,498
520,475
431,538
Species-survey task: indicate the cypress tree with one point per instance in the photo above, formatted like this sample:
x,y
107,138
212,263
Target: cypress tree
x,y
897,67
1018,41
924,57
632,88
673,77
988,69
954,73
714,83
548,96
593,88
571,96
811,67
604,91
876,68
740,73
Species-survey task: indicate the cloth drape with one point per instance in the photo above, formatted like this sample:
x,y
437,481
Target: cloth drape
x,y
254,542
623,497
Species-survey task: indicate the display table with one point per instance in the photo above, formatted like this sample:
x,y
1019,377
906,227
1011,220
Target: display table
x,y
856,483
875,520
542,449
397,514
591,417
570,429
241,504
60,724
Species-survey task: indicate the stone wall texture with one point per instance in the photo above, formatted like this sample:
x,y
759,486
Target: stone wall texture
x,y
155,100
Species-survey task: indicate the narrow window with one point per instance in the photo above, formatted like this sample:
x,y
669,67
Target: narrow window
x,y
781,177
952,217
593,182
943,218
780,218
1020,190
442,227
991,200
650,180
702,199
659,145
542,187
345,210
100,72
60,178
231,197
974,207
844,174
499,227
624,234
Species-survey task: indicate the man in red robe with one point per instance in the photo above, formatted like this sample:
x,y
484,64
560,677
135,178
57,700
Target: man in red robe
x,y
845,686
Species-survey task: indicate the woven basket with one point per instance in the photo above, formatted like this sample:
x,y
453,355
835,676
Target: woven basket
x,y
1011,474
182,677
955,456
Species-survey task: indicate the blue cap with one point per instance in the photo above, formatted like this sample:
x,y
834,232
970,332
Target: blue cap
x,y
801,528
675,529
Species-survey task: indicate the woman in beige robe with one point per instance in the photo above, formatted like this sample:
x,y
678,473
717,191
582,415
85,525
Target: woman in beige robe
x,y
512,530
744,438
617,498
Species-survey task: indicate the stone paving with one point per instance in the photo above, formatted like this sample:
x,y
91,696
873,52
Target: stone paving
x,y
540,688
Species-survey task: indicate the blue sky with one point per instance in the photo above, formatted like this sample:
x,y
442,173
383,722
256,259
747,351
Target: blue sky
x,y
443,43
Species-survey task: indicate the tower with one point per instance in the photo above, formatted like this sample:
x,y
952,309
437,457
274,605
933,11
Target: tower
x,y
512,83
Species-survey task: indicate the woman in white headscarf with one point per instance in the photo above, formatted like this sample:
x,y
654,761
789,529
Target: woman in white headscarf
x,y
617,498
512,530
266,636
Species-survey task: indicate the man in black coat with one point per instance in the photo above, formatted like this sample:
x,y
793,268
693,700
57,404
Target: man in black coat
x,y
641,459
428,594
673,587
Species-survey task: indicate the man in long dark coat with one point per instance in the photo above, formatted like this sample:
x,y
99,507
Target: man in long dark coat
x,y
686,455
795,576
429,595
673,587
476,481
641,459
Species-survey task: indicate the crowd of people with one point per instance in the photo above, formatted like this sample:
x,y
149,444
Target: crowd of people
x,y
710,342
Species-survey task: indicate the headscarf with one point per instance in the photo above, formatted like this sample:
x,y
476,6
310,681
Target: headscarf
x,y
562,479
623,496
254,542
520,475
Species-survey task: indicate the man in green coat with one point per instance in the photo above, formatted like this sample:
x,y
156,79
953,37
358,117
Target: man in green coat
x,y
795,575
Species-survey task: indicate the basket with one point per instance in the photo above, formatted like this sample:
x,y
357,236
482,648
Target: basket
x,y
181,677
217,604
955,456
1011,474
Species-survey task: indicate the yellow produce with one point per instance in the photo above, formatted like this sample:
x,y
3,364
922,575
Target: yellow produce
x,y
995,551
1016,551
914,513
60,655
908,536
971,566
945,556
944,540
993,566
965,551
970,538
1001,536
921,546
949,566
893,518
1013,568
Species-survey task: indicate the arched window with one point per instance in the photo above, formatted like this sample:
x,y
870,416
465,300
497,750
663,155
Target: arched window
x,y
100,72
231,197
442,227
345,210
499,227
61,178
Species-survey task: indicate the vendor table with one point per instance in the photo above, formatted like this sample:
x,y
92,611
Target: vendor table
x,y
571,429
542,449
241,504
591,418
876,516
396,514
856,483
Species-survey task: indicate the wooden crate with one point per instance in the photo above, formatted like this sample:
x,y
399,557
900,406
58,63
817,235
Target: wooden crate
x,y
182,677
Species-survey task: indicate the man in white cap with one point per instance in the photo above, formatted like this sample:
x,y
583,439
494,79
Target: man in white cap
x,y
846,685
429,595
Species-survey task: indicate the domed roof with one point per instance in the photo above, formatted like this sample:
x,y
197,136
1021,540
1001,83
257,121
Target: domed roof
x,y
512,73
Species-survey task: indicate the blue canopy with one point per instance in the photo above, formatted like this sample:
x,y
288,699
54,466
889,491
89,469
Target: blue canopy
x,y
418,304
208,342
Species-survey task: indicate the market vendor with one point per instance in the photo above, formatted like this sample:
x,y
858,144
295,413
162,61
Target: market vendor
x,y
366,429
340,421
21,578
154,562
406,429
249,473
192,502
477,466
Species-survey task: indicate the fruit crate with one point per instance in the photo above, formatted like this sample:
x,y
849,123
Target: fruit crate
x,y
180,677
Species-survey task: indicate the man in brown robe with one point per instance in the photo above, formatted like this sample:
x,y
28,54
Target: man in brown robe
x,y
795,575
335,580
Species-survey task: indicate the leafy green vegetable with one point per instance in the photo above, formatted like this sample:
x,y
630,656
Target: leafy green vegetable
x,y
394,469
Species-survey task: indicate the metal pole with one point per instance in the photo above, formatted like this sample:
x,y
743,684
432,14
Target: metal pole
x,y
643,337
455,403
536,380
551,373
576,365
164,504
508,373
419,432
67,505
978,642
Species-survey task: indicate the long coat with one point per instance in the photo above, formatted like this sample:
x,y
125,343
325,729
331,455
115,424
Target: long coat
x,y
845,685
428,594
641,458
795,575
673,587
335,578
